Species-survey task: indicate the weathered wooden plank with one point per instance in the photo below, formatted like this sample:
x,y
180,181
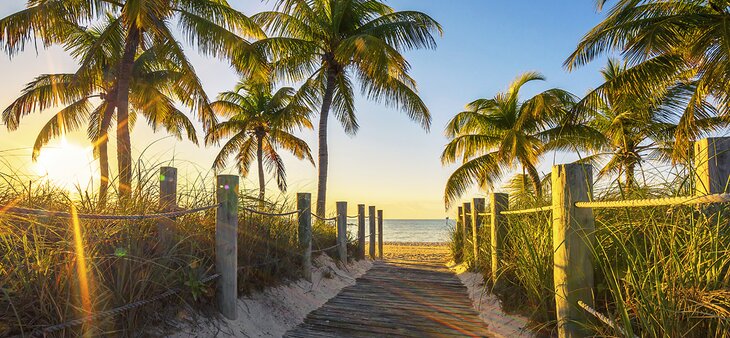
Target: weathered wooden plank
x,y
397,299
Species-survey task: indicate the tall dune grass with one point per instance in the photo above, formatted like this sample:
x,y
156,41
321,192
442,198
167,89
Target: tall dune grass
x,y
659,271
40,283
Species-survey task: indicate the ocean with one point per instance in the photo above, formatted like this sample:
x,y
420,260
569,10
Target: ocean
x,y
409,230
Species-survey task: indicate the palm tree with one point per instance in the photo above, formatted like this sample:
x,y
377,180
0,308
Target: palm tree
x,y
211,25
260,123
637,127
665,43
493,135
329,43
154,85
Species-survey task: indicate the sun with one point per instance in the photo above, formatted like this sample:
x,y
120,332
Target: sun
x,y
67,165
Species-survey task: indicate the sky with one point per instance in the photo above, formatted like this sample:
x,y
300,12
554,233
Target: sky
x,y
391,163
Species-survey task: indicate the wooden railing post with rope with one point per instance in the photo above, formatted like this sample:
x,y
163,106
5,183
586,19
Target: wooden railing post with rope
x,y
459,256
380,234
168,202
466,235
712,166
573,237
226,244
304,220
476,221
371,220
498,202
342,231
361,231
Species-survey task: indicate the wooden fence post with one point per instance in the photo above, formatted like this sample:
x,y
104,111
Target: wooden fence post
x,y
459,257
467,227
476,221
380,234
371,220
573,236
497,203
304,205
226,244
168,202
712,163
342,231
361,231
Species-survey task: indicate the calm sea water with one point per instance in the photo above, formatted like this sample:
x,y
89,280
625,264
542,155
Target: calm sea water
x,y
409,230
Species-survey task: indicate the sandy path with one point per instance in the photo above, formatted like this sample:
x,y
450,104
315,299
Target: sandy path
x,y
274,311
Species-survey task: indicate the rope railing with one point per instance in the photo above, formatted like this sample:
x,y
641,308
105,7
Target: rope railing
x,y
324,219
113,312
130,306
62,214
484,214
650,202
325,249
603,318
271,214
527,211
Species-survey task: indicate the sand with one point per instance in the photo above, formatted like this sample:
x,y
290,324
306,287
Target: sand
x,y
422,252
274,311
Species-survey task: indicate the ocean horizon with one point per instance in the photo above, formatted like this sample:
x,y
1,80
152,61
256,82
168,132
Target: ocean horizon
x,y
410,230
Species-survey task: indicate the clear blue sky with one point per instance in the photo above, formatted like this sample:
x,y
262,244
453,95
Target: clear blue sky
x,y
391,163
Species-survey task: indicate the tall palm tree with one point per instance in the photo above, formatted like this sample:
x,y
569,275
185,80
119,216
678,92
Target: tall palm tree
x,y
329,43
666,42
212,25
637,127
89,97
259,124
495,134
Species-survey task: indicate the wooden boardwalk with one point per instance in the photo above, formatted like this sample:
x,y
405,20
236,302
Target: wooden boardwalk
x,y
397,298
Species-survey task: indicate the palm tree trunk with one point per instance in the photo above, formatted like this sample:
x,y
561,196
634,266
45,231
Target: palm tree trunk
x,y
102,145
323,152
535,178
260,159
124,145
628,186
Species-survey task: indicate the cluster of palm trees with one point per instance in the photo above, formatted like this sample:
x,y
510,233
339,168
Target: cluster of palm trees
x,y
671,88
131,64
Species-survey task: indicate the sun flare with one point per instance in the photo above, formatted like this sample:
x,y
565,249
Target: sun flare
x,y
67,165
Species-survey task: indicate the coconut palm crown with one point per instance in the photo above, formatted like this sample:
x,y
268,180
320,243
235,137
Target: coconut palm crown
x,y
330,44
494,135
88,97
260,124
213,26
665,43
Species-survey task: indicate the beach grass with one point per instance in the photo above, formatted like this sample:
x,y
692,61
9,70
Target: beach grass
x,y
53,270
659,271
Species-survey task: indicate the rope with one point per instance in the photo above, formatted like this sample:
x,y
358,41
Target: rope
x,y
527,211
271,214
602,318
649,202
324,219
485,214
39,212
113,312
325,249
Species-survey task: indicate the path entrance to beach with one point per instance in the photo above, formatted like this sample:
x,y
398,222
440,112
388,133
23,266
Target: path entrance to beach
x,y
397,298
